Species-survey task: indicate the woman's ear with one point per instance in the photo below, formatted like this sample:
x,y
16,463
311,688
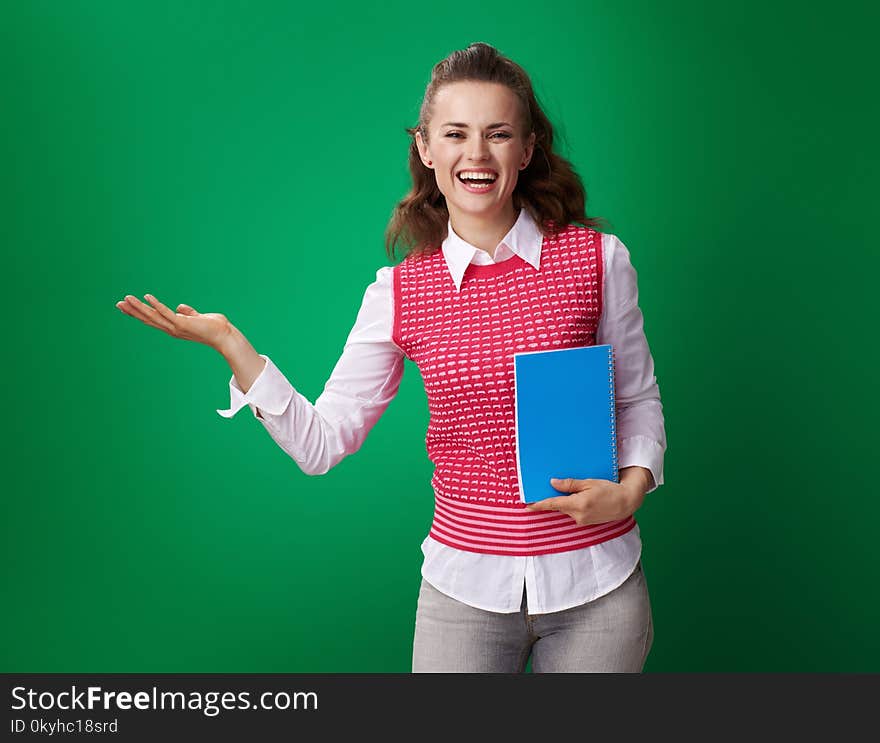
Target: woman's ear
x,y
423,150
528,151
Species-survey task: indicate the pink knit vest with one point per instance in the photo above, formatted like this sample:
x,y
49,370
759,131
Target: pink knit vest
x,y
463,344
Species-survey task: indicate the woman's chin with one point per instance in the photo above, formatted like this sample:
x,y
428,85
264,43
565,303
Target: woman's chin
x,y
478,205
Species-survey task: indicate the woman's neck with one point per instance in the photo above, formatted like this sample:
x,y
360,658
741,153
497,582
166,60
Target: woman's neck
x,y
482,233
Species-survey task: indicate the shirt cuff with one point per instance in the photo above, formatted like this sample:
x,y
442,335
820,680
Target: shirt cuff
x,y
641,451
270,392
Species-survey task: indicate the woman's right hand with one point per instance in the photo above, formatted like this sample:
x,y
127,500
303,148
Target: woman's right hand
x,y
210,328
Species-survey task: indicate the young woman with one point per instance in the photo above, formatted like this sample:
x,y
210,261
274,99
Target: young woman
x,y
499,254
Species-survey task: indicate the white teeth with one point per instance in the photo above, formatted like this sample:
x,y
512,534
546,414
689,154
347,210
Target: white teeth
x,y
476,176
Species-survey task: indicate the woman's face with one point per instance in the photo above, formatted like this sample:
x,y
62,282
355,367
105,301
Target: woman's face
x,y
476,128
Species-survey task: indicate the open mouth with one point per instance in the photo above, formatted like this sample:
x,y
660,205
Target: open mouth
x,y
478,182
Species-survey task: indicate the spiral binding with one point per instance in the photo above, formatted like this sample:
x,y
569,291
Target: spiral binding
x,y
613,414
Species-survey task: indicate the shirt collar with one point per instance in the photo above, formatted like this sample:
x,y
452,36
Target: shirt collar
x,y
524,239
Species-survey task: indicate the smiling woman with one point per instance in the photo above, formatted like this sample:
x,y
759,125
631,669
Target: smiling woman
x,y
483,157
499,256
496,208
480,115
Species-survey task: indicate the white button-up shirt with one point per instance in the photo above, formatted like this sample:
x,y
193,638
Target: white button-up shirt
x,y
367,377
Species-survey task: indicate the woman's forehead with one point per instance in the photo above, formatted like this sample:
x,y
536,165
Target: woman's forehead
x,y
475,102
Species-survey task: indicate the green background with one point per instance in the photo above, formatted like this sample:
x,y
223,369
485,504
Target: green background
x,y
244,157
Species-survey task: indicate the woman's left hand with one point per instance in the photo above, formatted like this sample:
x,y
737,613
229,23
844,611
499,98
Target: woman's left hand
x,y
592,501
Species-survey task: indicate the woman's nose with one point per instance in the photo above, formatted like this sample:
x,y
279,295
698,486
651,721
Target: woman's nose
x,y
478,149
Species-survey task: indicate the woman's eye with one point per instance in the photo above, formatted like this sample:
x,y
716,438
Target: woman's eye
x,y
503,135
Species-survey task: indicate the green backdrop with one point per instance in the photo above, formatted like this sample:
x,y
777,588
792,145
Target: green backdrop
x,y
244,157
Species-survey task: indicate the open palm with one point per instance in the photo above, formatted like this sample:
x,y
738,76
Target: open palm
x,y
210,328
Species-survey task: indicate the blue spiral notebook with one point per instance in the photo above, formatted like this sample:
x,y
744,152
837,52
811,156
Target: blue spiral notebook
x,y
566,421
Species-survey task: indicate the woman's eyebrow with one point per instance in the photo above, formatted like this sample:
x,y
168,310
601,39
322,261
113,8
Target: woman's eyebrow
x,y
465,126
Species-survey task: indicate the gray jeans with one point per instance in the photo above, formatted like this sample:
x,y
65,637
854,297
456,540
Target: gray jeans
x,y
612,634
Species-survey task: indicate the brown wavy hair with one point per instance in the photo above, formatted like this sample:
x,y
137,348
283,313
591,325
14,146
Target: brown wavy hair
x,y
548,188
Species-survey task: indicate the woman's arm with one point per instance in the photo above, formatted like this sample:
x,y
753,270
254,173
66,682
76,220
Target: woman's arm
x,y
245,362
361,386
639,479
640,425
